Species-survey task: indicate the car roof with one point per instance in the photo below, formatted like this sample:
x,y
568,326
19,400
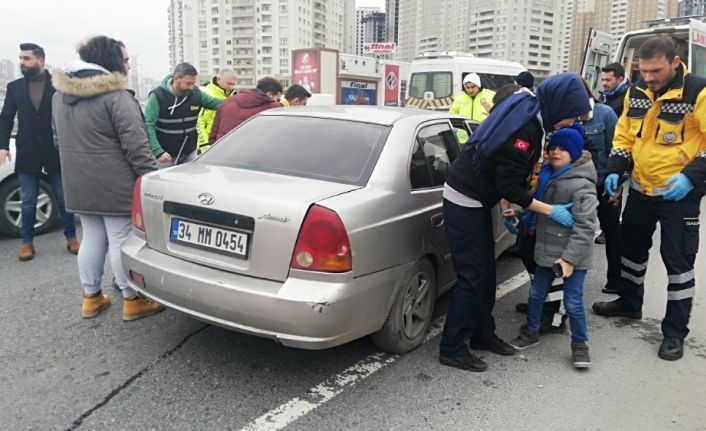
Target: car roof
x,y
384,115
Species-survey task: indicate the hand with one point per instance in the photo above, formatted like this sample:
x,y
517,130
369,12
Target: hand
x,y
567,268
5,156
164,158
562,215
510,225
679,186
611,184
486,106
509,213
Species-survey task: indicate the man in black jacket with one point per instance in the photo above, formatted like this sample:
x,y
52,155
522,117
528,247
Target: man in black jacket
x,y
30,99
614,86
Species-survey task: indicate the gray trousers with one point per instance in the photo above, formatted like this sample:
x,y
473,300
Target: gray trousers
x,y
103,235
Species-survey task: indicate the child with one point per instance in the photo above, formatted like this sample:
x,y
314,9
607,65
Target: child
x,y
568,176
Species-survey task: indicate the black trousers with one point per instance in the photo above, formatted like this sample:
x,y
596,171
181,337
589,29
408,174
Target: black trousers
x,y
609,219
469,232
679,243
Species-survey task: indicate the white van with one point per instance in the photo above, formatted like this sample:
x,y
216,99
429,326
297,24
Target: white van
x,y
436,77
688,33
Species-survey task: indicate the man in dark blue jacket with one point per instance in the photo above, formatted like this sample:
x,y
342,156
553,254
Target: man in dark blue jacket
x,y
30,99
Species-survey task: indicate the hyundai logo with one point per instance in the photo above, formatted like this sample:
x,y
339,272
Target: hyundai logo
x,y
206,199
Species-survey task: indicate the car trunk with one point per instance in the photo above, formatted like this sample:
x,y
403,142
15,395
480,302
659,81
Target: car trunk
x,y
237,220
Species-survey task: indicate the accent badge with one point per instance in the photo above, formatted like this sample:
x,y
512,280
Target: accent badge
x,y
670,137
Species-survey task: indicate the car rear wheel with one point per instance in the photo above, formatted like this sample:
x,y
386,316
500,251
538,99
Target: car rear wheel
x,y
411,313
11,207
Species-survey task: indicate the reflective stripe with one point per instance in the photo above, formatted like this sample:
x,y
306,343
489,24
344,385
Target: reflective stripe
x,y
177,120
681,278
555,296
632,265
680,294
175,132
634,279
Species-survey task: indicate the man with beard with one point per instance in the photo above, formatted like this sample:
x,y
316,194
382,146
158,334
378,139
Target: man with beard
x,y
30,99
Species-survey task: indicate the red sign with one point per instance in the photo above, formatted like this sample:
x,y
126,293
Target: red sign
x,y
379,48
306,69
392,85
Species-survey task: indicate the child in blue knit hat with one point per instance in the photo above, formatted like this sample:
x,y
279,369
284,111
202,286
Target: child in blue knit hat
x,y
563,255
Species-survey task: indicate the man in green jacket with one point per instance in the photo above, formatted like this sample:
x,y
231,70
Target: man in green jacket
x,y
220,87
474,103
171,115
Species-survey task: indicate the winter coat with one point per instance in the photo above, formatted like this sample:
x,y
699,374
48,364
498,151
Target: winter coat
x,y
599,137
206,116
34,145
573,245
102,140
237,109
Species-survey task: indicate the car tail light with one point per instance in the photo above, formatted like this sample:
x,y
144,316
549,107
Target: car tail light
x,y
323,243
137,278
137,219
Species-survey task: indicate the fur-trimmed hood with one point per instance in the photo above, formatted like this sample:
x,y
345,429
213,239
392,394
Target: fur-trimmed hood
x,y
83,80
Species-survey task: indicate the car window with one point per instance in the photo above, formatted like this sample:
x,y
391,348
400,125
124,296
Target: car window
x,y
320,148
492,81
433,151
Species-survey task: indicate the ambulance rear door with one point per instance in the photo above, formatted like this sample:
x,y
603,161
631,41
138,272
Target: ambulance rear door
x,y
697,48
596,55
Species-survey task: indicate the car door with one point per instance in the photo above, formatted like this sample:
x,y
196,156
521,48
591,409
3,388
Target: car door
x,y
434,149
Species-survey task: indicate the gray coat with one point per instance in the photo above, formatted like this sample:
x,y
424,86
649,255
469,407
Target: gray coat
x,y
102,140
573,245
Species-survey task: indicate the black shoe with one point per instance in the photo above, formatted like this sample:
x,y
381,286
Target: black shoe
x,y
467,362
609,290
615,309
546,327
579,355
497,346
600,239
671,349
525,339
521,307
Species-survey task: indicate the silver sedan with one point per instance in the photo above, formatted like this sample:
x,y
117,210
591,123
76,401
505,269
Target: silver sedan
x,y
312,226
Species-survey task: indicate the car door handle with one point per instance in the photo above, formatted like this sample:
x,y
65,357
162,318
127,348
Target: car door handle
x,y
437,220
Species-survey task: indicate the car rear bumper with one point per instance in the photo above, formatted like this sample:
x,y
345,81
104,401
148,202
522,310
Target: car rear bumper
x,y
302,313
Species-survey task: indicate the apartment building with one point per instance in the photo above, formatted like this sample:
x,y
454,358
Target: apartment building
x,y
361,14
692,8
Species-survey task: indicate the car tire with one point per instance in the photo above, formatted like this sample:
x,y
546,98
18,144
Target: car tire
x,y
47,208
411,313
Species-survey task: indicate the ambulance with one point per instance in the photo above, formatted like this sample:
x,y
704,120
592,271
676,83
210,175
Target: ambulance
x,y
436,77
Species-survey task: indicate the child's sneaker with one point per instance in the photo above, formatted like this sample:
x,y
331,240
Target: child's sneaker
x,y
92,305
526,339
137,308
580,356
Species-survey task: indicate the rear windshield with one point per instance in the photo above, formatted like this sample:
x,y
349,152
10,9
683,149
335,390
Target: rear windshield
x,y
438,82
325,149
491,81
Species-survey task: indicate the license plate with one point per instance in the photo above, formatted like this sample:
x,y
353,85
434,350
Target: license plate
x,y
209,238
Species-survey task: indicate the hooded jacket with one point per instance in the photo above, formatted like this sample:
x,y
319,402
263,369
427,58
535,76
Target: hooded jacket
x,y
575,244
152,110
239,108
101,137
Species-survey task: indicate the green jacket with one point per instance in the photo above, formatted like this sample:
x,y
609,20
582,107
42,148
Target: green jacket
x,y
152,112
471,108
206,116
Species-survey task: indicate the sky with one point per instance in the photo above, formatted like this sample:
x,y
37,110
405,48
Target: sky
x,y
60,25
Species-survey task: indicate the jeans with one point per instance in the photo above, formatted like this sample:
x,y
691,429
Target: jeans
x,y
184,158
103,235
573,301
470,315
29,191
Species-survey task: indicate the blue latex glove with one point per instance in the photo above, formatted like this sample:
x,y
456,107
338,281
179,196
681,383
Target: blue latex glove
x,y
510,225
562,215
611,184
679,186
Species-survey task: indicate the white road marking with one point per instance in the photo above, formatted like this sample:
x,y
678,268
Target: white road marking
x,y
315,397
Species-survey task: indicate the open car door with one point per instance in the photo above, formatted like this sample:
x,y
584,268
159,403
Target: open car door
x,y
596,55
697,48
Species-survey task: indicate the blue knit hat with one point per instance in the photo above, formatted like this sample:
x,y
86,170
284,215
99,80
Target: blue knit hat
x,y
570,139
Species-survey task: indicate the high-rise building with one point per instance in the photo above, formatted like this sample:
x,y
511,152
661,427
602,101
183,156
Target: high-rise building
x,y
692,8
528,31
7,70
374,28
392,19
255,37
360,14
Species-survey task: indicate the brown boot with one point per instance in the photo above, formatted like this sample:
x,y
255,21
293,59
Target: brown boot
x,y
72,245
26,252
137,308
92,305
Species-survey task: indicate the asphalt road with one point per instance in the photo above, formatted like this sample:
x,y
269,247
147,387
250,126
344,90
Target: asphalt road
x,y
58,371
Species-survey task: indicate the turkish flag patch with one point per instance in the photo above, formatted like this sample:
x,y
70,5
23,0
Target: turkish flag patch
x,y
521,145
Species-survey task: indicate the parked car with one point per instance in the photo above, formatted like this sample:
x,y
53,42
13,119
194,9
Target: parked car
x,y
11,204
313,226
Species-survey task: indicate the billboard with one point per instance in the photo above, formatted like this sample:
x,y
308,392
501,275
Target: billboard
x,y
306,69
392,85
355,92
379,48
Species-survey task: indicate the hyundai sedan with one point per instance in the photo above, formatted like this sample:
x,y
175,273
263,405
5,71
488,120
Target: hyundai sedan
x,y
312,226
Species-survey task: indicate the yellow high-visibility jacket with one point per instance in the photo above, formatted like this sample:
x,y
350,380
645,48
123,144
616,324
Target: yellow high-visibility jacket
x,y
471,108
206,116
